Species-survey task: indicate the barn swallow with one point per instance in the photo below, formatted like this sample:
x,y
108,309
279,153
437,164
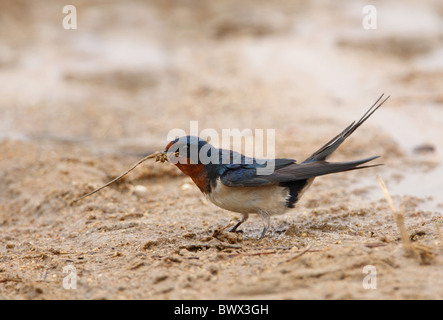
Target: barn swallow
x,y
232,181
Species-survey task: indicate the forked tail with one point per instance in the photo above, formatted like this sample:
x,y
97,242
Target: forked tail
x,y
324,152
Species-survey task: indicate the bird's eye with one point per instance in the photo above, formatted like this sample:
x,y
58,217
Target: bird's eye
x,y
177,153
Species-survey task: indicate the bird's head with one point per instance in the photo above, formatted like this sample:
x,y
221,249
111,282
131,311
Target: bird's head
x,y
190,150
193,156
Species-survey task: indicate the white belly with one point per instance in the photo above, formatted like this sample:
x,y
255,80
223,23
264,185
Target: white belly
x,y
271,199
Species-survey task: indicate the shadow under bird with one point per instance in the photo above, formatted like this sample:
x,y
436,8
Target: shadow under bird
x,y
234,182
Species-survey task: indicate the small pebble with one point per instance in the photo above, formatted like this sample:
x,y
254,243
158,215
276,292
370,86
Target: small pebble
x,y
186,186
424,148
140,190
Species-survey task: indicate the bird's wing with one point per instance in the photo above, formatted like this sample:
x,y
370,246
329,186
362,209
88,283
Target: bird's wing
x,y
248,177
245,175
236,160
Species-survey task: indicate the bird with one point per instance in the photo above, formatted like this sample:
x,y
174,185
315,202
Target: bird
x,y
233,181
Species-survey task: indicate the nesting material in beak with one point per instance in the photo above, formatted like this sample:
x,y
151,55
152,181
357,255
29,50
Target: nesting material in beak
x,y
158,156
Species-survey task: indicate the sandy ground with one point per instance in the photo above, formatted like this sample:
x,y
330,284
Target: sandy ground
x,y
79,107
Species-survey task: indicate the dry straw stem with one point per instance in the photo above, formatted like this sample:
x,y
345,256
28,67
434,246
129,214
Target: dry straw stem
x,y
159,157
308,249
399,216
421,252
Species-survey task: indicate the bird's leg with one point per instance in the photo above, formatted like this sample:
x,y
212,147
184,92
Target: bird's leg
x,y
266,222
234,228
